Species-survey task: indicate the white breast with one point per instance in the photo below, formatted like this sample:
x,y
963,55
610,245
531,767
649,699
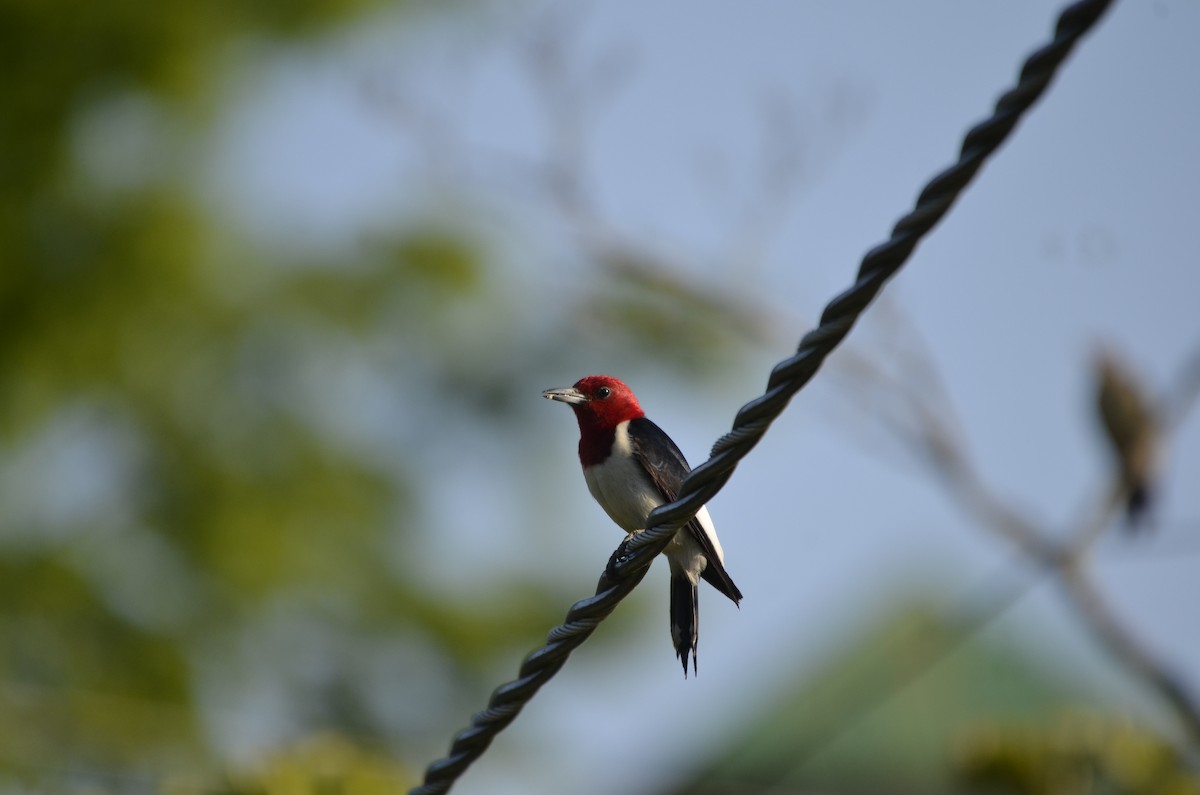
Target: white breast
x,y
621,486
627,494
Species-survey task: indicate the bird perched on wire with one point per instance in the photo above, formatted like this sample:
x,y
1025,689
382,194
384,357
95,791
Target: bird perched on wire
x,y
1133,429
631,466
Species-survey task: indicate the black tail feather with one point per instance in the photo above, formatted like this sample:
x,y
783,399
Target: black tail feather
x,y
685,619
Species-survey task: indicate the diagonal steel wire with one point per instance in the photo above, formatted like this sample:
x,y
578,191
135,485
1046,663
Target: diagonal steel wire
x,y
631,562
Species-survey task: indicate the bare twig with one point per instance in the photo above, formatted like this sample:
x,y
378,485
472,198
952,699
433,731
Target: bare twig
x,y
1182,396
923,425
1120,643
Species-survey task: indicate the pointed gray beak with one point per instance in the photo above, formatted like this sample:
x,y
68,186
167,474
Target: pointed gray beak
x,y
567,395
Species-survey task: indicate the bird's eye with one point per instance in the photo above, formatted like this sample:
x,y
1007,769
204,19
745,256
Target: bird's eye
x,y
603,392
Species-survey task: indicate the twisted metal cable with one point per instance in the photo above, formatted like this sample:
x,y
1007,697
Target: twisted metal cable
x,y
632,560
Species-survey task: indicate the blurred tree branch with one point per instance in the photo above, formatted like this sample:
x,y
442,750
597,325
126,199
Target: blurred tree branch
x,y
639,293
924,424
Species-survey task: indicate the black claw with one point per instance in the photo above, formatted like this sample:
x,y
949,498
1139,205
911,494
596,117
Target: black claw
x,y
610,571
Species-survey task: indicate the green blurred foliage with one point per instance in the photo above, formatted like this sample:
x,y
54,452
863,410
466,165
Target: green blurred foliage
x,y
1078,753
900,691
326,764
170,487
201,520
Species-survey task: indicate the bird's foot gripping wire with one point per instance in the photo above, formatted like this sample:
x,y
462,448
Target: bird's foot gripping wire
x,y
621,553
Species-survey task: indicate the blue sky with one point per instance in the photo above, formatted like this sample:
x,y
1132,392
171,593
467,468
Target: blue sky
x,y
1078,234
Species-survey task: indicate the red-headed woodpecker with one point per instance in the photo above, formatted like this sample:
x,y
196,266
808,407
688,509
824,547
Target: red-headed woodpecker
x,y
632,467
